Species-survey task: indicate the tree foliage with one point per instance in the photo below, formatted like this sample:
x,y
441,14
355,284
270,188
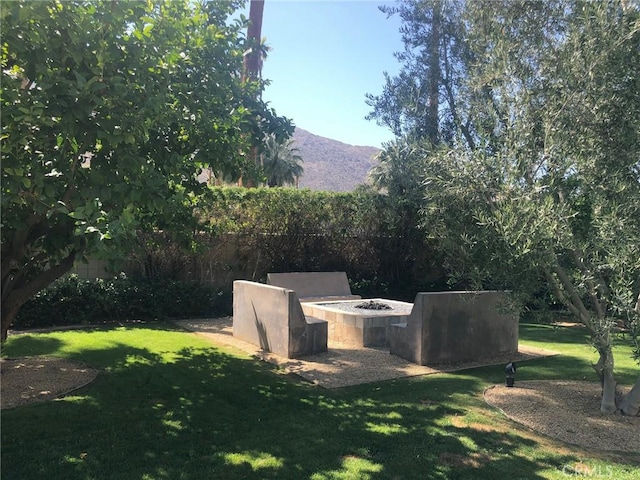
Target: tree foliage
x,y
423,99
548,193
109,111
287,229
569,201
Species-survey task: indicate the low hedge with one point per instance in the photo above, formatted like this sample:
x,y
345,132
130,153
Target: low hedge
x,y
71,301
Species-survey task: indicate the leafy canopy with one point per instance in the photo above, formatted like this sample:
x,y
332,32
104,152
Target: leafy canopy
x,y
109,112
281,161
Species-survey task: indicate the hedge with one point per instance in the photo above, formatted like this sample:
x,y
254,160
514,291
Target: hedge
x,y
71,300
362,233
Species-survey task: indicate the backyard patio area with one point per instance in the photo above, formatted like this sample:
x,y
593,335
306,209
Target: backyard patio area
x,y
345,364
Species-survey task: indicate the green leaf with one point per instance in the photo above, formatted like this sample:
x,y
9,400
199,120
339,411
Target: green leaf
x,y
74,144
49,190
80,79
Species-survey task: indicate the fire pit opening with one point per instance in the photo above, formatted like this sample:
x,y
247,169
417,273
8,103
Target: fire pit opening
x,y
373,305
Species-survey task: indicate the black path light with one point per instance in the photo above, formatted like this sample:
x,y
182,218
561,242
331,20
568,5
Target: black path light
x,y
510,371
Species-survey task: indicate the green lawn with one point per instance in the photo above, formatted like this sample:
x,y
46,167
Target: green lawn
x,y
169,405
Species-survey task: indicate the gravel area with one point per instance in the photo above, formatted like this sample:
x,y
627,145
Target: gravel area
x,y
351,306
568,411
343,365
37,379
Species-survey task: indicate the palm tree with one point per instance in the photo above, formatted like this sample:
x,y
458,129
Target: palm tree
x,y
253,57
399,170
281,162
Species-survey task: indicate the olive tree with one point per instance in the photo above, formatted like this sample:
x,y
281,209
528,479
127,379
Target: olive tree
x,y
109,112
548,191
555,193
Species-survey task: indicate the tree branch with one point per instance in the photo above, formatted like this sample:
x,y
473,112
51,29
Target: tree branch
x,y
599,304
21,295
557,290
573,301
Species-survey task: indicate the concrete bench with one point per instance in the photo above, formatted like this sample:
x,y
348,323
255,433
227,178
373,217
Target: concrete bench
x,y
272,318
315,286
449,327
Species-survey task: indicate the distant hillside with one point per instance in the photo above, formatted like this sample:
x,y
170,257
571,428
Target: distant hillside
x,y
332,165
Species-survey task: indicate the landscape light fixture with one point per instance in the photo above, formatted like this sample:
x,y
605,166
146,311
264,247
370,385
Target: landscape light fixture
x,y
510,371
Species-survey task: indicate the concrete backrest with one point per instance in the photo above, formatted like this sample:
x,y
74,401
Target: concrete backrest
x,y
272,318
314,286
457,326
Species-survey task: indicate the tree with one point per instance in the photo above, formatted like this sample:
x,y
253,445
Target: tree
x,y
548,192
109,111
557,196
422,101
281,162
399,174
398,169
254,54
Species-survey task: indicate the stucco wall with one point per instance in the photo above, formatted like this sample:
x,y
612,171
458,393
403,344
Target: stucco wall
x,y
449,327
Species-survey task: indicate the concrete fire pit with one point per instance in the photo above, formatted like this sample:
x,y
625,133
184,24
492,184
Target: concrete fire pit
x,y
364,327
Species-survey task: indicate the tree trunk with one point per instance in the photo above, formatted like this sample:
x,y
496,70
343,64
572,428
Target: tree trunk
x,y
631,403
9,312
435,75
16,294
568,295
252,59
604,367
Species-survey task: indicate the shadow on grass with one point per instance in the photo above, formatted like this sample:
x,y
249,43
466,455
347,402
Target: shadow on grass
x,y
553,334
549,368
32,345
199,413
573,364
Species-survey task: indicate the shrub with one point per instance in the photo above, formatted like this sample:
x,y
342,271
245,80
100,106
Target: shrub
x,y
71,301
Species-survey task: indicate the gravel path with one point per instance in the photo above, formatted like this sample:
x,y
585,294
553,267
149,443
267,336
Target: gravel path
x,y
343,365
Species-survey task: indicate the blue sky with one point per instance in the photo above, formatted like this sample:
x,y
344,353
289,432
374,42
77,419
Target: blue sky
x,y
325,56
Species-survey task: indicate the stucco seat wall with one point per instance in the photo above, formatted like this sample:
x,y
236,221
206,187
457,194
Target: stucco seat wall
x,y
272,318
315,286
449,327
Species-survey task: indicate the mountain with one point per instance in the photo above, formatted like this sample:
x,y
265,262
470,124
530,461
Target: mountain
x,y
332,165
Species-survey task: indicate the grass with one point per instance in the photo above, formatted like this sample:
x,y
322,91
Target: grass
x,y
169,405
